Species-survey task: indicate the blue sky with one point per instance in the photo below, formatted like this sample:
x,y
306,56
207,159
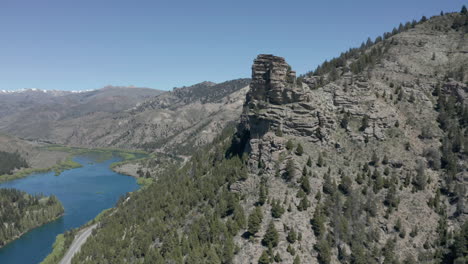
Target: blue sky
x,y
87,44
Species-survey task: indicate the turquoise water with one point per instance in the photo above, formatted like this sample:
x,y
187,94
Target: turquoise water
x,y
84,193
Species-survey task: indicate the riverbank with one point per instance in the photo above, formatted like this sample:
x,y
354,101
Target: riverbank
x,y
85,193
21,212
58,168
68,163
29,229
64,241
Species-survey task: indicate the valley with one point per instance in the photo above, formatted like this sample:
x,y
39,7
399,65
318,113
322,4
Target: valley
x,y
361,160
84,193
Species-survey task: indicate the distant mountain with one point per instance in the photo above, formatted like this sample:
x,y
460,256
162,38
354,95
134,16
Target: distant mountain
x,y
125,117
35,156
34,113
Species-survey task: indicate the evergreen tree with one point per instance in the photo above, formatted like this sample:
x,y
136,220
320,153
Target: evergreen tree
x,y
278,257
345,121
328,186
289,145
263,195
421,178
264,258
464,11
309,162
318,223
297,260
364,123
290,170
276,209
271,237
324,252
305,184
303,204
385,160
346,185
299,150
291,250
255,220
320,161
292,236
412,98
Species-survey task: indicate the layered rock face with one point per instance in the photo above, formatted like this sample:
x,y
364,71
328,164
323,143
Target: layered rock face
x,y
277,102
273,81
385,113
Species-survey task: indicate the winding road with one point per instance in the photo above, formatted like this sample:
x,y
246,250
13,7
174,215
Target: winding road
x,y
77,243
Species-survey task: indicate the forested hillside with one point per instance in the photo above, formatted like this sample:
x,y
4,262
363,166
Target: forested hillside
x,y
10,162
362,161
160,233
20,212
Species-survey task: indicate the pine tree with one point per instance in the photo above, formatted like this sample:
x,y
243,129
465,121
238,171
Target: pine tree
x,y
421,178
263,195
255,220
299,150
309,161
345,121
305,184
297,260
412,98
328,187
291,250
264,258
346,185
318,223
303,204
378,182
291,238
400,94
279,132
290,170
324,252
364,123
278,257
271,237
464,11
276,209
289,145
320,161
385,160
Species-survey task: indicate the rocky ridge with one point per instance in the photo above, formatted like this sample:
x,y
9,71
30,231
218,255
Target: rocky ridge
x,y
388,110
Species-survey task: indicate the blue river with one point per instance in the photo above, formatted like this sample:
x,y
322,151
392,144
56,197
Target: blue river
x,y
84,193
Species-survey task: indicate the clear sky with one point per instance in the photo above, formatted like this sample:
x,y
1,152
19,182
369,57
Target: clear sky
x,y
87,44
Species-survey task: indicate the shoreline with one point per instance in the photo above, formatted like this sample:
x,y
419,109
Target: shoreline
x,y
57,168
126,155
34,227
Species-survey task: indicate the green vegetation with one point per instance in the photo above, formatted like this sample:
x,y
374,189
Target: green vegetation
x,y
367,55
58,168
61,244
144,182
271,237
20,212
198,191
255,220
105,153
10,162
126,155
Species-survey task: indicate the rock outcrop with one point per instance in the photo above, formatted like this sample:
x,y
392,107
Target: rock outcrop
x,y
277,102
273,81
